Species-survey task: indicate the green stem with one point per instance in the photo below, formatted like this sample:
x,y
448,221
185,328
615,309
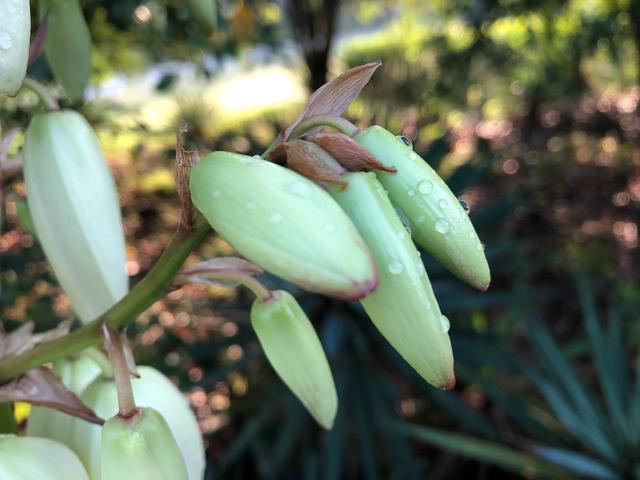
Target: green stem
x,y
339,123
261,292
143,295
7,420
115,350
45,97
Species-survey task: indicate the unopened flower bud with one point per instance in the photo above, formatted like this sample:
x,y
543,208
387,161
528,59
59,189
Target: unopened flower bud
x,y
154,390
439,224
140,447
295,352
403,307
14,44
75,209
284,223
68,45
23,458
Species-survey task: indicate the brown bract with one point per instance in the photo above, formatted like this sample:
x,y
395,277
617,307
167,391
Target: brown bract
x,y
351,155
309,160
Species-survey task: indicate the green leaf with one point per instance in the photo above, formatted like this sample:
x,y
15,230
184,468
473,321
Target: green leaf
x,y
483,450
576,462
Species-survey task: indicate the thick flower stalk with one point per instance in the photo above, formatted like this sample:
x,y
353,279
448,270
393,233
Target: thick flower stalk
x,y
295,352
140,447
68,45
14,44
75,210
283,222
153,390
403,307
23,458
439,224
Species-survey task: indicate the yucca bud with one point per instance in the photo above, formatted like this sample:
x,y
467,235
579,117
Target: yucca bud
x,y
205,12
403,307
26,458
140,447
284,223
14,44
76,374
154,390
294,350
68,45
439,224
75,209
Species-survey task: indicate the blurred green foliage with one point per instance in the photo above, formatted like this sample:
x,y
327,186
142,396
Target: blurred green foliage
x,y
528,109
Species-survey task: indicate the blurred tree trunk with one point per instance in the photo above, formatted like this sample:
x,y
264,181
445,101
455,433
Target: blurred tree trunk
x,y
313,23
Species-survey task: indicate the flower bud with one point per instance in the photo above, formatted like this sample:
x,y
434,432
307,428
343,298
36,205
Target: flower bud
x,y
68,45
153,390
140,447
439,224
403,307
14,44
205,12
74,205
24,458
284,223
293,348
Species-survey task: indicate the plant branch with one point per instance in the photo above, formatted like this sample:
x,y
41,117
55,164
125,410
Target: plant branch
x,y
144,294
115,350
45,97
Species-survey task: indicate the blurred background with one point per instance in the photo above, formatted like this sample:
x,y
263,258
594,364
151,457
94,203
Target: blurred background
x,y
528,109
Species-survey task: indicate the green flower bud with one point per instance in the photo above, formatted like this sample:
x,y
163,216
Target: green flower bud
x,y
439,224
205,12
68,45
294,350
26,458
76,374
140,447
14,44
153,390
284,223
403,307
74,205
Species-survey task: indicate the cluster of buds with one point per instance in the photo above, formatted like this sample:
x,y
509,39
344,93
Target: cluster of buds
x,y
320,209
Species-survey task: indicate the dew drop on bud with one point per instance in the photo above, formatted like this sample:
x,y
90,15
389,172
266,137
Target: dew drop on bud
x,y
276,217
395,267
465,206
411,192
413,156
5,41
480,247
405,140
444,323
425,187
442,203
402,234
216,193
442,226
300,189
420,219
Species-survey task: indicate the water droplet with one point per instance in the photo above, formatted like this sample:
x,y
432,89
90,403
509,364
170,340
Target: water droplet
x,y
444,323
395,267
442,203
413,156
330,228
405,140
216,193
480,246
425,187
472,235
420,219
301,189
276,217
5,41
402,234
411,192
442,226
465,206
251,206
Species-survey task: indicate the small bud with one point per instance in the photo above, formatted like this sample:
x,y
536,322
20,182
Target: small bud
x,y
153,390
68,45
349,153
294,350
23,458
283,222
438,223
140,447
14,44
310,161
75,210
403,307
